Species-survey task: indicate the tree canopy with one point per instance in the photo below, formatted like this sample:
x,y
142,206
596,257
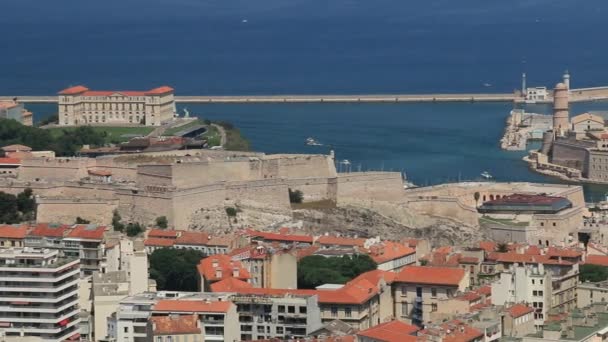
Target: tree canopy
x,y
16,209
66,143
175,269
593,273
317,270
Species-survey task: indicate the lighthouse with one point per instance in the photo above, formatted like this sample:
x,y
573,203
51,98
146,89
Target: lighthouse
x,y
561,122
567,79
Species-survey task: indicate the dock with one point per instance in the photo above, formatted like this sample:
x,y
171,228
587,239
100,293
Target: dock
x,y
576,95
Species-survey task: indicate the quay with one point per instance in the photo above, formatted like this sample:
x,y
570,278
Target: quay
x,y
576,95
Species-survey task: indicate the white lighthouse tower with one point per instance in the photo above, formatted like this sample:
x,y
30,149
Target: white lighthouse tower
x,y
567,79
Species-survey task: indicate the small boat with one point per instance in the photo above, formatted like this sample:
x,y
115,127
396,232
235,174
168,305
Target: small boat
x,y
486,175
244,21
487,85
312,142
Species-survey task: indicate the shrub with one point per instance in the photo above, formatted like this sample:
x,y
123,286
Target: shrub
x,y
162,222
80,220
295,196
231,212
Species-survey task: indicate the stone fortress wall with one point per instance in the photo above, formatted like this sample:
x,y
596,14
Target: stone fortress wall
x,y
178,184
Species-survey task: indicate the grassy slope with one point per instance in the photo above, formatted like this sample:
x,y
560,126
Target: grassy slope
x,y
113,133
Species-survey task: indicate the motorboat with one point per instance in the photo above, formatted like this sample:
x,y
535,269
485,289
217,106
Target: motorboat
x,y
486,175
312,142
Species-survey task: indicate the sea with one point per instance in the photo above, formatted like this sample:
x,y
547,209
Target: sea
x,y
230,47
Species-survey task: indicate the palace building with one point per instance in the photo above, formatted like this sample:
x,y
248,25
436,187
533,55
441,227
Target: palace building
x,y
80,106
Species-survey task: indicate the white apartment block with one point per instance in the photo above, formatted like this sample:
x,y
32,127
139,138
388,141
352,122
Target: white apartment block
x,y
81,106
39,295
525,284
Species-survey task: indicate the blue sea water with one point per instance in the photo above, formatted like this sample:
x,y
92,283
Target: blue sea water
x,y
331,47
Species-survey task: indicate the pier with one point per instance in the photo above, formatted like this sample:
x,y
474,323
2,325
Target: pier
x,y
576,95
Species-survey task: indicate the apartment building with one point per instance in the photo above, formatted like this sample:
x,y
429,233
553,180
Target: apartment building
x,y
39,294
185,328
525,284
268,267
392,256
519,321
219,267
389,332
79,105
85,242
167,238
590,293
419,290
12,235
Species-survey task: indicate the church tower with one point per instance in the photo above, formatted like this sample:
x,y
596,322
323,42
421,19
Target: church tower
x,y
561,122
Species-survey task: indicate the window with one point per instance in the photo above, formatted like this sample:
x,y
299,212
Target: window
x,y
404,309
433,307
535,293
348,312
532,281
433,292
280,330
404,291
334,311
553,224
126,329
291,309
541,281
540,293
302,309
281,308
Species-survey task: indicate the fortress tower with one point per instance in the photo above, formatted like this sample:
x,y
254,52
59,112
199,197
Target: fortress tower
x,y
561,122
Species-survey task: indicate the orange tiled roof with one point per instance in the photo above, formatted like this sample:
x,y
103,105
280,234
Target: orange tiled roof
x,y
533,250
175,325
103,173
358,290
8,231
10,161
223,241
224,264
444,249
280,237
159,242
73,90
470,296
601,260
563,252
159,90
488,246
394,331
468,260
163,233
170,305
192,238
519,310
87,231
304,252
229,284
431,275
485,290
467,334
49,230
388,250
340,241
511,257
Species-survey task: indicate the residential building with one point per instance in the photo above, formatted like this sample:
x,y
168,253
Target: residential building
x,y
519,321
108,289
200,241
9,167
15,110
268,267
129,256
589,324
84,241
525,284
392,256
80,106
219,267
283,236
419,290
588,293
186,328
39,294
393,331
451,331
12,235
217,320
537,94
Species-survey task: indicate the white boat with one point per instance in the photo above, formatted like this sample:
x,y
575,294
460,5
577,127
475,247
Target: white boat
x,y
486,175
312,142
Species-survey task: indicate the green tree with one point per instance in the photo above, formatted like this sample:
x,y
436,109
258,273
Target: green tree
x,y
134,229
49,120
502,248
317,270
175,269
9,212
231,212
295,196
118,226
162,222
80,220
593,273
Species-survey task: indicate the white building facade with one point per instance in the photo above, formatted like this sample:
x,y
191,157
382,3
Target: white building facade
x,y
80,106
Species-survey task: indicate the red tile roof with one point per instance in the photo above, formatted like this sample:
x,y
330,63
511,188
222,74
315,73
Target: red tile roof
x,y
159,90
563,252
169,305
511,257
10,161
192,238
470,296
468,260
280,237
388,250
601,260
103,173
340,241
49,230
444,249
175,325
8,231
304,252
519,310
488,246
223,241
87,232
533,250
163,233
394,331
229,284
159,242
467,334
73,90
431,275
485,290
224,265
358,290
